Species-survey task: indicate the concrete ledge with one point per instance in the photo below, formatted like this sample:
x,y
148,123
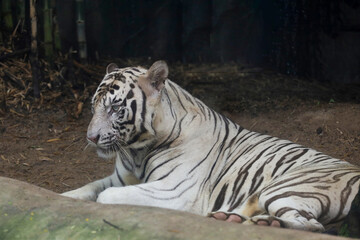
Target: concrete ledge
x,y
31,212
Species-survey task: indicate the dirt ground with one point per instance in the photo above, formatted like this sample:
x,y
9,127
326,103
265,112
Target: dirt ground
x,y
47,147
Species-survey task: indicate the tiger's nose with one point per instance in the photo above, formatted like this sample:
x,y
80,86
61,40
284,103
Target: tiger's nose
x,y
94,139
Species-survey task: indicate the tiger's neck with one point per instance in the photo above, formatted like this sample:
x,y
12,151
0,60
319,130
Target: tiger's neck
x,y
181,118
181,124
176,112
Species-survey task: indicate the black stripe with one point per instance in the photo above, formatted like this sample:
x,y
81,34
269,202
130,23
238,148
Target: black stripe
x,y
143,112
178,97
345,193
215,119
167,174
242,176
220,151
174,197
241,170
277,186
286,169
237,203
163,145
187,96
245,137
201,107
130,72
136,70
220,198
126,164
278,148
231,143
324,208
158,166
130,94
254,145
282,159
119,177
174,188
133,109
207,155
169,102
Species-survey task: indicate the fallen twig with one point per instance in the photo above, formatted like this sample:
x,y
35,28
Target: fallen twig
x,y
113,225
13,78
16,113
79,109
18,52
87,70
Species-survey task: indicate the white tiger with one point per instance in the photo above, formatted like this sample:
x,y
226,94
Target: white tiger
x,y
180,154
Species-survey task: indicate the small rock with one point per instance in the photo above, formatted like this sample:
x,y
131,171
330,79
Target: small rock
x,y
319,130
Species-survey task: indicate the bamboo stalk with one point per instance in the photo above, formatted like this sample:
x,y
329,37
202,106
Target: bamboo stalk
x,y
33,20
55,27
21,5
81,30
48,38
7,15
56,33
34,55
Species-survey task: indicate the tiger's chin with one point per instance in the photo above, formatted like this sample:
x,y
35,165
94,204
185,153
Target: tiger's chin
x,y
105,153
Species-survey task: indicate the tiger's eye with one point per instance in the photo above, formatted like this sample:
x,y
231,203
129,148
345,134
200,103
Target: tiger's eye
x,y
115,108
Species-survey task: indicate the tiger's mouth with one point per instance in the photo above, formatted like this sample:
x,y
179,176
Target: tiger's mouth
x,y
107,147
109,151
106,153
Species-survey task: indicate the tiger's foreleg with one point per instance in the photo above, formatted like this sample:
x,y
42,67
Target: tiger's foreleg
x,y
90,191
154,194
120,177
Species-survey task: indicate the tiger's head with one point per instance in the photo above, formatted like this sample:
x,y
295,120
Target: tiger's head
x,y
123,107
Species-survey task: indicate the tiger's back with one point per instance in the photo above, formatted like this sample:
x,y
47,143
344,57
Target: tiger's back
x,y
248,173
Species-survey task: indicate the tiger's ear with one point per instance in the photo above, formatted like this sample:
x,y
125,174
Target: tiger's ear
x,y
157,74
111,67
154,80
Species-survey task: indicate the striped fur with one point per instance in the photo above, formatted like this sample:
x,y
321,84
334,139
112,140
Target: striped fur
x,y
173,151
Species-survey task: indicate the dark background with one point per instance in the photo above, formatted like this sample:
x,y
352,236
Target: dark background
x,y
312,38
308,38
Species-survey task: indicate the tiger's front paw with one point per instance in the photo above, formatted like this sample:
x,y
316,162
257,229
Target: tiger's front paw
x,y
264,220
81,194
228,217
109,196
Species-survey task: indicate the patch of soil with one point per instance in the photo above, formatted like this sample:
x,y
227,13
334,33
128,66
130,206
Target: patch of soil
x,y
48,149
330,128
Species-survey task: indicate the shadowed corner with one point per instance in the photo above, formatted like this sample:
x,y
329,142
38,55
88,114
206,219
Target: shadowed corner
x,y
350,226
